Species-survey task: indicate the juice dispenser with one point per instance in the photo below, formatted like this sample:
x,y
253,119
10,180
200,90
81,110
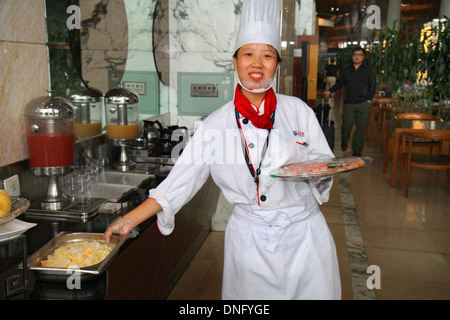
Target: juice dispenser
x,y
122,123
88,108
51,143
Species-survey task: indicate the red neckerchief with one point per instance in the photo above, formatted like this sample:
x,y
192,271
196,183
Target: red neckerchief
x,y
245,108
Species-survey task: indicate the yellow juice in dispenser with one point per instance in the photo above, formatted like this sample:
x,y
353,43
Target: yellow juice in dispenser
x,y
126,132
87,129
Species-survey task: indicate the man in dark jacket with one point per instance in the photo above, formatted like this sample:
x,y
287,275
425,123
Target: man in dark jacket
x,y
360,84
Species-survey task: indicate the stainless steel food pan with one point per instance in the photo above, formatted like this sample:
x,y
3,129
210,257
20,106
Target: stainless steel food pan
x,y
62,274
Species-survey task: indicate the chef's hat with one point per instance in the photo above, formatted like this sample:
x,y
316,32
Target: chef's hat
x,y
260,23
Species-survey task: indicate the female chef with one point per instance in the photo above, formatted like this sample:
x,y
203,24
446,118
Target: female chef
x,y
277,242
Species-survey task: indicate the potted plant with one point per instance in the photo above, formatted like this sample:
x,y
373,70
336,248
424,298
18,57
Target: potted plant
x,y
434,64
411,61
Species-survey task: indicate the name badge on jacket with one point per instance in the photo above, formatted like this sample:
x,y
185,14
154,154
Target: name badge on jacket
x,y
300,138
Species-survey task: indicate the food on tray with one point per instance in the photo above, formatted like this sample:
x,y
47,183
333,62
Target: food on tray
x,y
320,167
78,254
5,203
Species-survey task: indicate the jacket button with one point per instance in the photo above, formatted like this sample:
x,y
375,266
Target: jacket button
x,y
251,145
263,198
245,121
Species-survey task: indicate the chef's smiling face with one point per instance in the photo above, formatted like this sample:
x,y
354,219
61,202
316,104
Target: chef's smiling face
x,y
256,65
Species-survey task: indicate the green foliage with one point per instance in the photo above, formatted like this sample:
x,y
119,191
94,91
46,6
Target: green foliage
x,y
63,74
406,55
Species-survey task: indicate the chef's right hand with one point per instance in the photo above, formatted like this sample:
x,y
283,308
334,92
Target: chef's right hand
x,y
122,227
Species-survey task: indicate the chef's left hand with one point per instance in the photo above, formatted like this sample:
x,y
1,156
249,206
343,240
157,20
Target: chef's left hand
x,y
122,227
317,186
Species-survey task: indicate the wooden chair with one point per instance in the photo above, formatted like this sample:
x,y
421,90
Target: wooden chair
x,y
419,142
438,161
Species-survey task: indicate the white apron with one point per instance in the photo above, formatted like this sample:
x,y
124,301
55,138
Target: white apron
x,y
277,243
286,258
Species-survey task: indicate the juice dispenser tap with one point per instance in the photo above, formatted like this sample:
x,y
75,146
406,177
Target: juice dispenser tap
x,y
88,108
51,143
122,123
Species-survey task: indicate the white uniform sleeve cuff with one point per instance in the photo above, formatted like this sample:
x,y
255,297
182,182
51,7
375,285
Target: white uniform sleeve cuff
x,y
165,218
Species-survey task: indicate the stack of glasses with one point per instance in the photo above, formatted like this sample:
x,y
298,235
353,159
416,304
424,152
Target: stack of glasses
x,y
80,184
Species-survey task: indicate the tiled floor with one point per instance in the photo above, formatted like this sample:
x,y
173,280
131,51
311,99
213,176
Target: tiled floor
x,y
372,224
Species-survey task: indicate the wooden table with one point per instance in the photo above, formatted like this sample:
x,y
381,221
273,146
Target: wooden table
x,y
399,127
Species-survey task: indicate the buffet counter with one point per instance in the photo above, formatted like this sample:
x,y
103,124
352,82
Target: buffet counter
x,y
146,267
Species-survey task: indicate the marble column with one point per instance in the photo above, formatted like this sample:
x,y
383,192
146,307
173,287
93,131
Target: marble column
x,y
444,9
394,13
305,17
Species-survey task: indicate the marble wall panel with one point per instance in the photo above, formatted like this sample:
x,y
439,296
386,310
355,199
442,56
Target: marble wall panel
x,y
140,24
24,72
202,39
22,21
104,40
97,63
204,26
104,25
22,79
191,36
305,17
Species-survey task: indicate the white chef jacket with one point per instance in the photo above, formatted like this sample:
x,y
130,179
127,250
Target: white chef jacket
x,y
277,243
